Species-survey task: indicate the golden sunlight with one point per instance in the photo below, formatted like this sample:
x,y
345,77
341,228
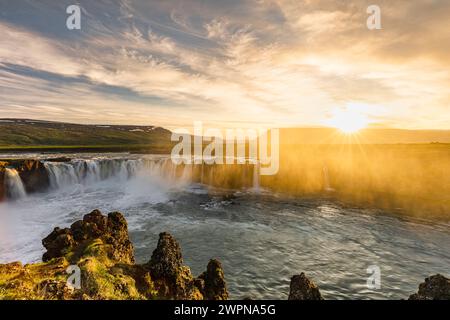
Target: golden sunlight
x,y
349,120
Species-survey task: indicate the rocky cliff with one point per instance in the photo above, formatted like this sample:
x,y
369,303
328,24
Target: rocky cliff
x,y
33,174
2,181
100,247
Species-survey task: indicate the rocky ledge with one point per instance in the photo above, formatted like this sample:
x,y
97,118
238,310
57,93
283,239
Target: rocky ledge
x,y
100,247
32,173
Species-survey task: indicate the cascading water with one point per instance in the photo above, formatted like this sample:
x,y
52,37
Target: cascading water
x,y
86,172
256,176
14,185
326,180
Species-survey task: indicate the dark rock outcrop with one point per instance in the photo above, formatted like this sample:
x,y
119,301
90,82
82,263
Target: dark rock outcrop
x,y
34,175
172,279
436,287
99,246
302,288
2,181
212,282
112,230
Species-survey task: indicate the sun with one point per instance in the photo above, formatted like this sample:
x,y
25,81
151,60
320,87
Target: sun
x,y
348,120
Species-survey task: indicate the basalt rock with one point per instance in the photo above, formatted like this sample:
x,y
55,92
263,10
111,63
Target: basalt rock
x,y
111,230
2,182
99,247
436,287
213,285
34,176
302,288
172,279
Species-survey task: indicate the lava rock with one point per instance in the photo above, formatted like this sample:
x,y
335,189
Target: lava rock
x,y
112,230
99,245
58,243
2,183
34,175
166,258
302,288
436,287
172,279
213,286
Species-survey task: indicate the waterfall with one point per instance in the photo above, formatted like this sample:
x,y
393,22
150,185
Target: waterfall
x,y
256,176
326,180
87,172
63,174
14,185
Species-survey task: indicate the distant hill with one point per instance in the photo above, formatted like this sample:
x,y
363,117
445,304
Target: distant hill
x,y
22,133
19,134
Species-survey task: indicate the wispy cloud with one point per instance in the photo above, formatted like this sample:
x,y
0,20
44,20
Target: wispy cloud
x,y
282,62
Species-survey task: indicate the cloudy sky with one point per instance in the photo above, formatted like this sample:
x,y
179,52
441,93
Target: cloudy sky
x,y
228,63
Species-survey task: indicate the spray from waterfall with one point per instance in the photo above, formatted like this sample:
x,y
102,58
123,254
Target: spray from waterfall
x,y
14,185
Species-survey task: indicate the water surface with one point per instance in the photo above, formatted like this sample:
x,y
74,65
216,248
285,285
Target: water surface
x,y
262,239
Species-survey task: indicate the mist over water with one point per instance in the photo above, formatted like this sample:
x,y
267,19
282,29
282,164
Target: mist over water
x,y
262,238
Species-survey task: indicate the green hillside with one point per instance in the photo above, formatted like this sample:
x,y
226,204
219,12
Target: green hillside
x,y
24,134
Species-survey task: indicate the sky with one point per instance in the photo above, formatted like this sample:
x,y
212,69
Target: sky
x,y
247,63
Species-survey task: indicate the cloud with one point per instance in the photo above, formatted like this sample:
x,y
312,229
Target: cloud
x,y
283,62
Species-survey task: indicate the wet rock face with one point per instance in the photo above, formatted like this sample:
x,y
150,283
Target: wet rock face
x,y
436,287
112,230
302,288
2,183
34,175
213,281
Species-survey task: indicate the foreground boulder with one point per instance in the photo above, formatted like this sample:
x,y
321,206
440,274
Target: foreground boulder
x,y
111,230
99,247
436,287
302,288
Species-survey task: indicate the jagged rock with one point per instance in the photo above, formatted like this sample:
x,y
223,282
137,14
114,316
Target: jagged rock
x,y
436,287
166,258
302,288
213,285
112,230
99,246
58,243
172,279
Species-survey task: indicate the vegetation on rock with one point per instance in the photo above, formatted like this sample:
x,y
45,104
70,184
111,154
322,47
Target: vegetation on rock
x,y
99,245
